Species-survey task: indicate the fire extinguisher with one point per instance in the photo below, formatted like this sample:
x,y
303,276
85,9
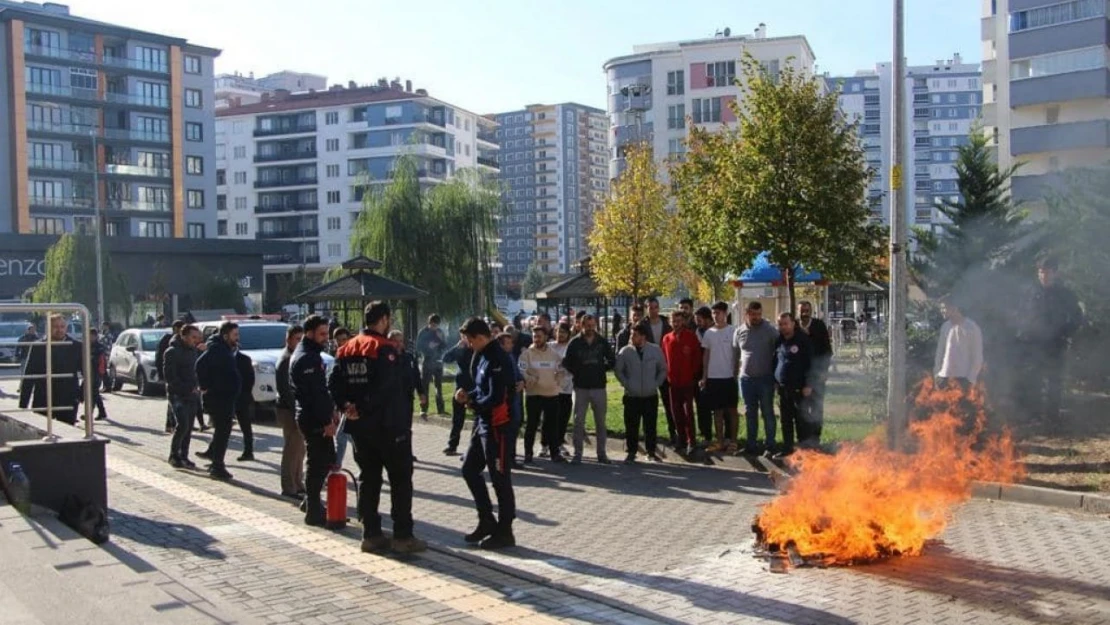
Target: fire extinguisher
x,y
337,497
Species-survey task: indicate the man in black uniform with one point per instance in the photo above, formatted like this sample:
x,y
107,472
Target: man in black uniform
x,y
371,383
494,383
160,366
179,371
315,413
244,405
461,355
821,342
218,377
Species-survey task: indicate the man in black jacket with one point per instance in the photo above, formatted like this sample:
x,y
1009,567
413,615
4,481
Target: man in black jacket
x,y
315,413
244,405
792,361
635,318
218,377
159,366
1052,316
370,382
430,345
461,355
179,372
821,341
660,328
588,357
65,363
293,447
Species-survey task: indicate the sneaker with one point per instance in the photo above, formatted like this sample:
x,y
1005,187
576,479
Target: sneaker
x,y
501,540
203,454
409,545
654,457
450,451
484,529
188,464
219,473
315,520
604,460
246,457
176,463
714,448
577,459
101,418
630,459
558,459
375,544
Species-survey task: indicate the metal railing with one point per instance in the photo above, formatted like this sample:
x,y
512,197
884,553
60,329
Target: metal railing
x,y
86,361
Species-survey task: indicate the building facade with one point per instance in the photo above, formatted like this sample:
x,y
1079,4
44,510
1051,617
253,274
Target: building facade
x,y
295,167
1046,87
653,91
943,102
555,174
102,116
238,90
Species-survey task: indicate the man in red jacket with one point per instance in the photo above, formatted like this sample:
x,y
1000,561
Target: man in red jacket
x,y
682,351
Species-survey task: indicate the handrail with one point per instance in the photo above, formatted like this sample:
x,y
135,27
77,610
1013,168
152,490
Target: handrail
x,y
86,358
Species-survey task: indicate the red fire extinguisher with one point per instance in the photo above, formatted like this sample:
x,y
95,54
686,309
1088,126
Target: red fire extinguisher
x,y
337,497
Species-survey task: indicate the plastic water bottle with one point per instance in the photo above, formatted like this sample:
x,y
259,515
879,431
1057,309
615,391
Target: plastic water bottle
x,y
20,486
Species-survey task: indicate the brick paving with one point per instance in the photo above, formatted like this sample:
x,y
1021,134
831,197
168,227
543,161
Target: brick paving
x,y
651,543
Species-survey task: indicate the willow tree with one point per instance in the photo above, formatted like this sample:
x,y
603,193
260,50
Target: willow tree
x,y
633,244
440,238
71,277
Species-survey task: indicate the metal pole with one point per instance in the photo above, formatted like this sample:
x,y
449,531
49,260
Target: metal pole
x,y
896,384
99,221
49,377
88,376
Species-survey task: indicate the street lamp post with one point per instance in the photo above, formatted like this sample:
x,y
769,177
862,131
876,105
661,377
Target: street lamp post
x,y
899,276
98,222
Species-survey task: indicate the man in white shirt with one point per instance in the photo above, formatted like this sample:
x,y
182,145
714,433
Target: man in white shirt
x,y
720,366
959,357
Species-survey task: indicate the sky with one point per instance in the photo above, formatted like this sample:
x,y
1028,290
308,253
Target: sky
x,y
492,56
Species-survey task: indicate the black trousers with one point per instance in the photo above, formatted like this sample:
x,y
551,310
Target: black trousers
x,y
183,409
320,451
639,410
458,420
221,414
546,408
665,397
489,450
432,373
792,412
704,415
566,406
375,452
244,414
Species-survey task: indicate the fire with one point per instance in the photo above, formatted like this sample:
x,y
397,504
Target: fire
x,y
868,502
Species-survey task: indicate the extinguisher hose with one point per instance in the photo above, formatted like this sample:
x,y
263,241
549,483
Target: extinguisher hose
x,y
354,480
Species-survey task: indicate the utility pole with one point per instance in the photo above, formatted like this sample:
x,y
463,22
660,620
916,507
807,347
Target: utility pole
x,y
899,287
98,221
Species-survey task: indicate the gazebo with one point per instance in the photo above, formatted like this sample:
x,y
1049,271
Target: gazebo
x,y
349,295
579,291
765,282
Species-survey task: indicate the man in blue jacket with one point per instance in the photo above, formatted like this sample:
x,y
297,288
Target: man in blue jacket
x,y
494,383
792,363
218,378
315,413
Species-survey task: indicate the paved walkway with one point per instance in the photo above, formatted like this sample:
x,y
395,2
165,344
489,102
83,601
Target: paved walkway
x,y
599,544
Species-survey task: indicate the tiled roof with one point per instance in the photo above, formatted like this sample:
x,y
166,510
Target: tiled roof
x,y
317,99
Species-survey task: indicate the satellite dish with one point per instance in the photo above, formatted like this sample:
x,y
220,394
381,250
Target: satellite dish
x,y
728,31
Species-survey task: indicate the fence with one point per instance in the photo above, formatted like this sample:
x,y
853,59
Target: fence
x,y
86,361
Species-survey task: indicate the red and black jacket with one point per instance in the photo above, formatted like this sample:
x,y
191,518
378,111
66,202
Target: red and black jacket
x,y
370,374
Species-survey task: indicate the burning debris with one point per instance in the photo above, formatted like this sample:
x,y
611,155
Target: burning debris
x,y
867,502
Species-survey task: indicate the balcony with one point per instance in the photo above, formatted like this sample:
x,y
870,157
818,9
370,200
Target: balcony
x,y
287,208
137,99
79,56
290,155
489,162
288,129
60,202
1090,135
60,165
416,118
141,65
137,170
59,128
488,137
141,206
289,259
291,181
76,93
144,136
288,233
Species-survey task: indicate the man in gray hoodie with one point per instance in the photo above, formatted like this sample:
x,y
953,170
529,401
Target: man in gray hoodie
x,y
641,370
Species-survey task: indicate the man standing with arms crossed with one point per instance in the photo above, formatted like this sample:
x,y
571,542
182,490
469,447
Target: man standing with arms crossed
x,y
718,377
371,384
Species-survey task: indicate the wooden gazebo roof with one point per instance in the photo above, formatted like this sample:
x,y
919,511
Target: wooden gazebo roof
x,y
361,285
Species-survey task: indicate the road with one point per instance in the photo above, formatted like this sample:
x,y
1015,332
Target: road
x,y
662,543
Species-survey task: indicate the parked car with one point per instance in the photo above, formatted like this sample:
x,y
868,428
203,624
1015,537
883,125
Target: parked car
x,y
10,331
132,360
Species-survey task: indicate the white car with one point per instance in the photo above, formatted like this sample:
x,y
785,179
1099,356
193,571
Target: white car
x,y
132,360
264,342
10,331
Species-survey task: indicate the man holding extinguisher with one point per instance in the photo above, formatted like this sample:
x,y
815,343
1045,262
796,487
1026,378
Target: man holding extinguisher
x,y
371,383
494,383
315,413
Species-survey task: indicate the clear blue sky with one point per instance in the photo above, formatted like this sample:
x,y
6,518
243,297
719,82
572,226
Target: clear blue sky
x,y
497,55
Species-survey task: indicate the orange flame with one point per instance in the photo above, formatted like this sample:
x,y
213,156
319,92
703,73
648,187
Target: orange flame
x,y
867,501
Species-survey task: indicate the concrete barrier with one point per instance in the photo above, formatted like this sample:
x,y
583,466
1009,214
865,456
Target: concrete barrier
x,y
68,465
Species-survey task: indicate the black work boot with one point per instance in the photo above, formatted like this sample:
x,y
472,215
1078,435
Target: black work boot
x,y
486,527
501,539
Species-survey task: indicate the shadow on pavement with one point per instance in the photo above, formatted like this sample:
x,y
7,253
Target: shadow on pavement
x,y
165,535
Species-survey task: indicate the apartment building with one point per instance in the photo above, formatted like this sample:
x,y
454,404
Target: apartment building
x,y
943,102
295,167
652,91
235,89
1045,87
555,174
99,115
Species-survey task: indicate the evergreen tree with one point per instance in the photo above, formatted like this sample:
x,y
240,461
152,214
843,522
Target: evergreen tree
x,y
534,280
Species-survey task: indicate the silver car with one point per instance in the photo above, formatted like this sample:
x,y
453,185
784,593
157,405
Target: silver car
x,y
132,360
10,331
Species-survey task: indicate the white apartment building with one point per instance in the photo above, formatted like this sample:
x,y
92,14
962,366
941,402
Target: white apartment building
x,y
294,167
654,89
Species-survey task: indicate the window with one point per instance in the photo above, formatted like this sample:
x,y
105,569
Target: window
x,y
154,126
240,177
48,190
334,223
335,250
706,110
193,98
331,171
240,203
676,82
720,74
221,177
676,116
936,98
1057,14
151,59
154,229
42,38
154,93
240,151
194,131
333,197
332,145
43,153
1059,63
676,148
221,228
43,77
82,78
240,228
331,118
221,202
194,165
192,66
194,231
952,98
194,198
49,225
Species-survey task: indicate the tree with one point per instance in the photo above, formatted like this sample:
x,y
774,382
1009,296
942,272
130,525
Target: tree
x,y
71,278
218,291
701,200
441,239
788,179
534,279
633,243
985,226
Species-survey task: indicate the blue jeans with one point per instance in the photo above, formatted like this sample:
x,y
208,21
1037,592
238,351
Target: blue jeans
x,y
759,395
